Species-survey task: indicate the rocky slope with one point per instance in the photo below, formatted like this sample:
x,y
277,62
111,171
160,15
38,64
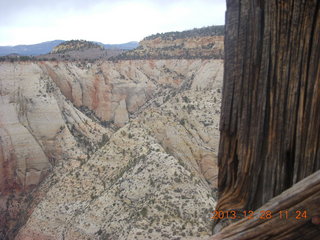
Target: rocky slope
x,y
155,178
75,50
84,104
39,127
75,45
136,139
114,91
205,43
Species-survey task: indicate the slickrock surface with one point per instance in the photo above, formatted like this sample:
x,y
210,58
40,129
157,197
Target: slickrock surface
x,y
38,127
114,90
156,176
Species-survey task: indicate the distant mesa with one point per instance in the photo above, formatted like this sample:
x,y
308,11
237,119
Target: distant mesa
x,y
47,47
203,43
197,43
76,45
81,50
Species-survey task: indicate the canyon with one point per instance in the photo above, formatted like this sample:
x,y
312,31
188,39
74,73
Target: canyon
x,y
120,149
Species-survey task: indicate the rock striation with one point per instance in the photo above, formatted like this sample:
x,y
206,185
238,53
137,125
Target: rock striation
x,y
155,177
115,90
55,115
205,43
111,149
39,127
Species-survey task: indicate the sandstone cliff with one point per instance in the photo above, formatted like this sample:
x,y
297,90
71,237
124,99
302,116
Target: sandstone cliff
x,y
84,104
205,43
113,91
154,178
39,127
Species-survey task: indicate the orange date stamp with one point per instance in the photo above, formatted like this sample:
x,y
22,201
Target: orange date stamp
x,y
263,215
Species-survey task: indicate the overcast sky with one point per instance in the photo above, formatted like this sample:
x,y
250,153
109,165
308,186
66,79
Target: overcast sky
x,y
107,21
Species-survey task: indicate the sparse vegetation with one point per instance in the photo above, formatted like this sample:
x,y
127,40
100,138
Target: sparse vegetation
x,y
104,140
75,45
144,212
143,172
182,121
165,49
196,32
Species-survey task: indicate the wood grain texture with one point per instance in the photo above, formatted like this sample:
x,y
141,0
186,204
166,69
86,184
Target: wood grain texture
x,y
270,122
303,196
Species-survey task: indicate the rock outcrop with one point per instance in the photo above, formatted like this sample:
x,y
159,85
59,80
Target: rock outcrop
x,y
54,115
78,45
155,172
155,178
115,90
77,50
39,128
205,43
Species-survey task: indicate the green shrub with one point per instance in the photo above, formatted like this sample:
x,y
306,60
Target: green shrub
x,y
144,212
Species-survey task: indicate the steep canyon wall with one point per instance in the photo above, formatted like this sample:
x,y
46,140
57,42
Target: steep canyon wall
x,y
55,115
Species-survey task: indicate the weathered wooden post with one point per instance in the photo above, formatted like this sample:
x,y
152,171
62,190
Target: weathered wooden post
x,y
270,122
